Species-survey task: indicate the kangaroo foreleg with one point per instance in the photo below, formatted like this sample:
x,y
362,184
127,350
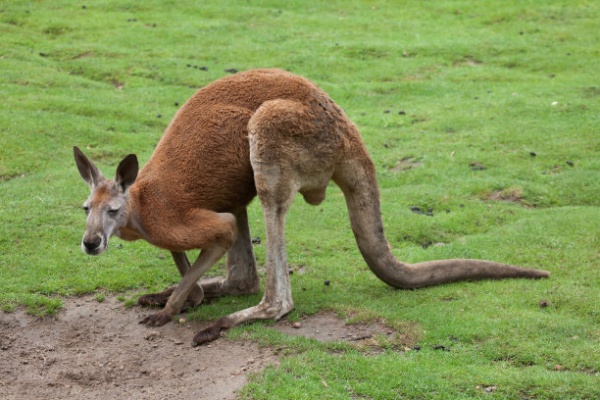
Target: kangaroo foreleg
x,y
242,277
160,299
176,301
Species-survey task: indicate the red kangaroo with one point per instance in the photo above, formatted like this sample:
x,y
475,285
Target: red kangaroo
x,y
265,132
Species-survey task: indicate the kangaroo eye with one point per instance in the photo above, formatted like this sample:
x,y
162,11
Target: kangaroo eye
x,y
113,212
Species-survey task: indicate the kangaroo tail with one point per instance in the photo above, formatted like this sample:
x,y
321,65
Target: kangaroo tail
x,y
356,177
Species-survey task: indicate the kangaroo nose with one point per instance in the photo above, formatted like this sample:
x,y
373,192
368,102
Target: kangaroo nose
x,y
92,245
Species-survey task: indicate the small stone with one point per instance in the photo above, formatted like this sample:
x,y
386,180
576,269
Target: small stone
x,y
532,153
182,320
151,335
296,325
327,282
554,103
570,163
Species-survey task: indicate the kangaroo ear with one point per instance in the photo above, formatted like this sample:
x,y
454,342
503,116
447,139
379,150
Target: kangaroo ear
x,y
88,171
127,172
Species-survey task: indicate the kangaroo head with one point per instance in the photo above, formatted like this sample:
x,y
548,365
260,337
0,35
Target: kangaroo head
x,y
106,207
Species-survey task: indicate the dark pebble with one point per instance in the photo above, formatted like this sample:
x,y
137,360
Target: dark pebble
x,y
158,116
570,163
387,112
440,347
417,348
544,303
447,211
417,210
477,166
203,68
189,65
532,153
401,112
256,240
327,282
231,70
176,104
43,55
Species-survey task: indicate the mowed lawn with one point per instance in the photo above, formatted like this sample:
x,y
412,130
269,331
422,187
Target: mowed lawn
x,y
482,118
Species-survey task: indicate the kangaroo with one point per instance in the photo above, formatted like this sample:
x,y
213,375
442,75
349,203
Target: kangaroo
x,y
262,132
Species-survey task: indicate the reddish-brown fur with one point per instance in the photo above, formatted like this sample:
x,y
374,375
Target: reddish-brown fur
x,y
264,132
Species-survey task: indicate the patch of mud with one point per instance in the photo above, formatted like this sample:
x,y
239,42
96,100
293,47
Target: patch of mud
x,y
512,194
98,350
406,163
326,327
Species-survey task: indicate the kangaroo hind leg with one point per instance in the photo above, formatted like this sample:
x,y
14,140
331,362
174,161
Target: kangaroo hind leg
x,y
290,153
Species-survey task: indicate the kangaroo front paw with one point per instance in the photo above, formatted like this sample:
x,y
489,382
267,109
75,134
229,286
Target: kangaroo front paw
x,y
158,319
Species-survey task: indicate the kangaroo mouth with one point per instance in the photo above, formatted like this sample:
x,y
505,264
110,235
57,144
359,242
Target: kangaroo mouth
x,y
93,252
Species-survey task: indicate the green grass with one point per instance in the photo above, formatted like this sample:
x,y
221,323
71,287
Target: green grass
x,y
476,81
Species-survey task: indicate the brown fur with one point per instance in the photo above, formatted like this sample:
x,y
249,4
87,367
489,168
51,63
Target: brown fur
x,y
264,132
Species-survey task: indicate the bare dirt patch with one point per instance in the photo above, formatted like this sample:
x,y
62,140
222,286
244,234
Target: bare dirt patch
x,y
406,163
99,351
326,327
95,350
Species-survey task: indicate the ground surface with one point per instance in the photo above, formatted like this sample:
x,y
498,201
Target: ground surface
x,y
98,350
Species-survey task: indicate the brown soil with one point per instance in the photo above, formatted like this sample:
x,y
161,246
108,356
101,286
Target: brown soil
x,y
98,350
